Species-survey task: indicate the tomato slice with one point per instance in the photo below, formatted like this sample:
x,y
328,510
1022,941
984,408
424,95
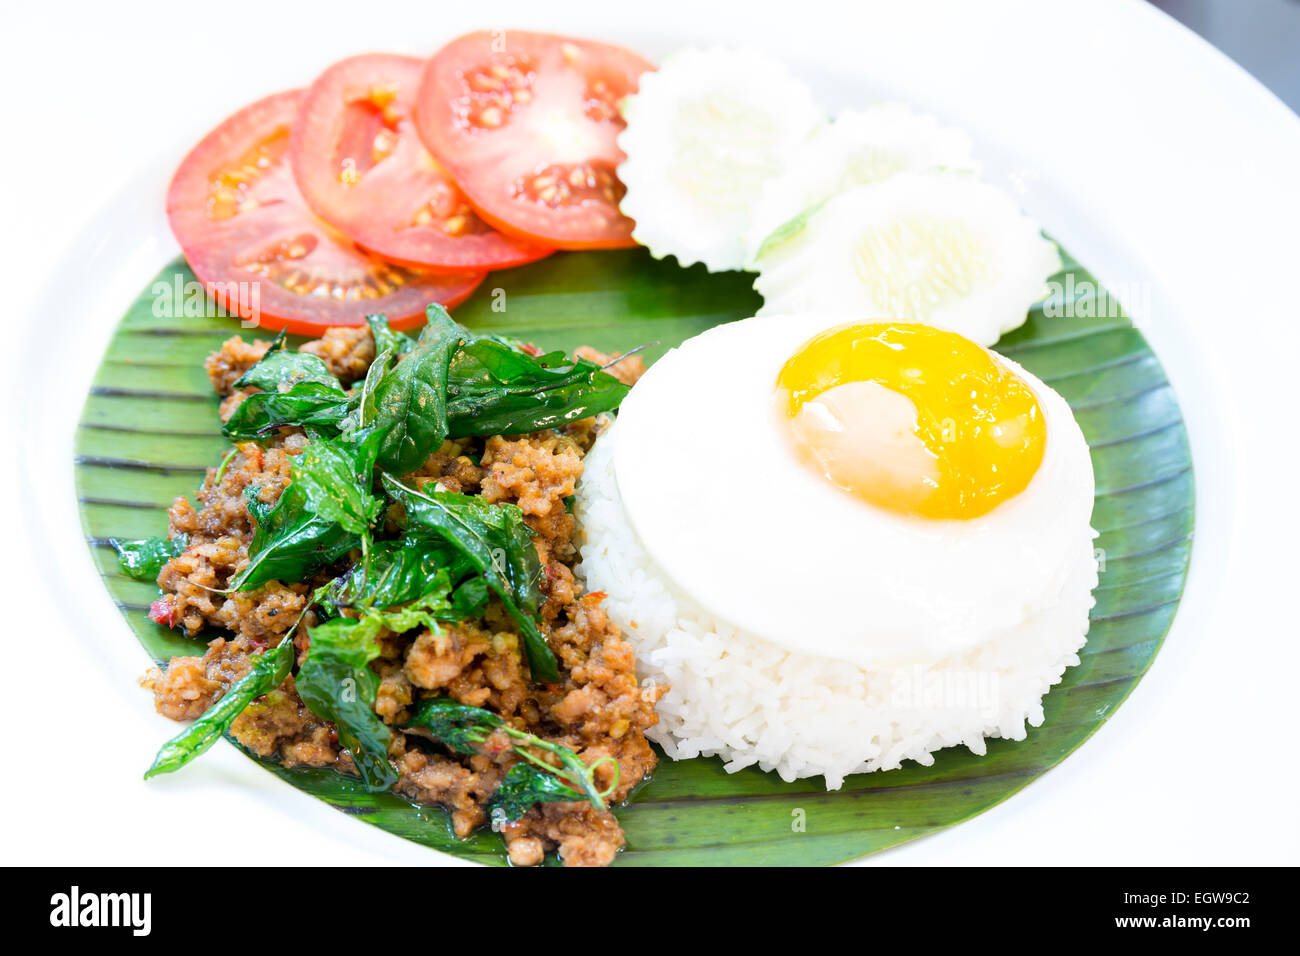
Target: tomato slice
x,y
526,124
260,251
362,167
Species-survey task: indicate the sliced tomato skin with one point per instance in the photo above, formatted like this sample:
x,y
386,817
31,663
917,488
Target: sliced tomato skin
x,y
242,224
500,146
379,207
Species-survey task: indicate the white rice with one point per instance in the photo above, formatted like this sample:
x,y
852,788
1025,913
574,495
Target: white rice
x,y
750,701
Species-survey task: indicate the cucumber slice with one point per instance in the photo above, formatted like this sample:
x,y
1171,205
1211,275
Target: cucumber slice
x,y
860,146
940,248
704,133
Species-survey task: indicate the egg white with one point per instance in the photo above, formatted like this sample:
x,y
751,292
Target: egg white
x,y
734,520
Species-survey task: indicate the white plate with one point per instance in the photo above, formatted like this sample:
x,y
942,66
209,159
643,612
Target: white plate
x,y
1153,158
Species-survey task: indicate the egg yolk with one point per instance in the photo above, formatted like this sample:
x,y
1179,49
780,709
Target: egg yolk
x,y
913,419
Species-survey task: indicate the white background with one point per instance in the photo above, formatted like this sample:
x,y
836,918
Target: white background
x,y
1169,166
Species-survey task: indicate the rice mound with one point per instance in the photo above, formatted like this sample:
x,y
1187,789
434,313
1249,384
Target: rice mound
x,y
750,701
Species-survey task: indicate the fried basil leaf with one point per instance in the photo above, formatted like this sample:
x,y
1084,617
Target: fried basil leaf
x,y
463,728
524,786
387,339
410,399
448,383
281,368
404,570
399,572
324,512
144,559
361,407
425,611
457,726
268,672
335,681
289,542
309,405
470,599
495,388
495,539
335,479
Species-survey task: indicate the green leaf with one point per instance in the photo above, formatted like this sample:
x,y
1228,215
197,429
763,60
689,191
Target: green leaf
x,y
144,558
457,726
290,542
411,399
449,382
524,786
425,611
497,390
399,571
306,404
495,539
268,672
334,479
325,512
336,683
386,339
281,368
406,570
470,599
463,728
362,409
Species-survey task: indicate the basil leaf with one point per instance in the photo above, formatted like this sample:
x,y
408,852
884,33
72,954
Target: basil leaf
x,y
493,538
289,542
425,611
399,572
457,726
448,383
403,571
496,389
306,404
268,672
497,542
335,477
411,399
324,512
524,786
336,683
279,367
385,338
144,559
470,600
362,409
463,729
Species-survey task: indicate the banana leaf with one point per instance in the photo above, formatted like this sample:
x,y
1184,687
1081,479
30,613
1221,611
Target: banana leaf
x,y
149,430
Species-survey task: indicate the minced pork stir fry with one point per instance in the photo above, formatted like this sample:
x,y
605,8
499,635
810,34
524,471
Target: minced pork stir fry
x,y
387,556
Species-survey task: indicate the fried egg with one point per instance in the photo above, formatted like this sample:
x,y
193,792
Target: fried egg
x,y
882,493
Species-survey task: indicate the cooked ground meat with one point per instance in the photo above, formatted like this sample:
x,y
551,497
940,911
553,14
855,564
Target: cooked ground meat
x,y
220,531
233,359
190,685
598,709
536,472
347,351
452,468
